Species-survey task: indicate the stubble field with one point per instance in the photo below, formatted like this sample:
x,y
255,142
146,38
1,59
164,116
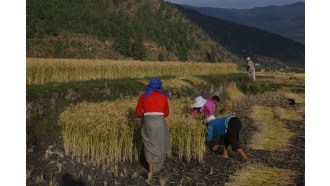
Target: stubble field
x,y
273,135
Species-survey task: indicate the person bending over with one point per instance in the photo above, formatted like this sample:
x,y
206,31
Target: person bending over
x,y
227,129
203,106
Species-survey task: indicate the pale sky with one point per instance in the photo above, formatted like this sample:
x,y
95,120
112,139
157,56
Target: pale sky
x,y
237,4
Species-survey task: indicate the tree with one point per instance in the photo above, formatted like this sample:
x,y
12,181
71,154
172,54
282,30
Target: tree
x,y
123,43
139,51
58,48
161,57
116,2
210,57
50,26
30,27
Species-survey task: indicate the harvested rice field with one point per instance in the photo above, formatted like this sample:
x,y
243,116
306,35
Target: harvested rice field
x,y
75,152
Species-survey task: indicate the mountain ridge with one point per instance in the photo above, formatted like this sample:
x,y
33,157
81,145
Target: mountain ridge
x,y
286,20
264,47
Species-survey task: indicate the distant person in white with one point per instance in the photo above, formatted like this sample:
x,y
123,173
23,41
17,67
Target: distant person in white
x,y
251,68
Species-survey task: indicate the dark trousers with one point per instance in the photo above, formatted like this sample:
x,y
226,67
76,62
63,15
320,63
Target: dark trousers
x,y
232,136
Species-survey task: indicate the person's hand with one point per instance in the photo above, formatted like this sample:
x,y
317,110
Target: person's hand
x,y
215,147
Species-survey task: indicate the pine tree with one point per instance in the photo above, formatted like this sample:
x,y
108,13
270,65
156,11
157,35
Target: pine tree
x,y
139,51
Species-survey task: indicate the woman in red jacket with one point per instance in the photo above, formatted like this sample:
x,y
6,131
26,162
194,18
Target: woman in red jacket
x,y
153,108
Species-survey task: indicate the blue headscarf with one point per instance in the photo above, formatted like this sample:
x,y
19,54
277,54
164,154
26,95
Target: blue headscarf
x,y
154,85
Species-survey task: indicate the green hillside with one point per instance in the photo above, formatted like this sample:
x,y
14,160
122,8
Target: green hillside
x,y
114,29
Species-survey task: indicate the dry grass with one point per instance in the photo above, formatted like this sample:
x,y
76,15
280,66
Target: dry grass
x,y
298,97
283,75
233,93
28,174
271,134
195,80
288,78
234,96
259,174
301,110
176,83
287,114
41,71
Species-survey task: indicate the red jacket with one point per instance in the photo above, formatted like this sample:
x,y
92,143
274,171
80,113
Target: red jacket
x,y
155,102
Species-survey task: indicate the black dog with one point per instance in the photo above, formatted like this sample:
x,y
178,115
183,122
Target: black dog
x,y
292,102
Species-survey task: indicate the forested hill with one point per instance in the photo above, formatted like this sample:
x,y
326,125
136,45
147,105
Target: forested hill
x,y
264,47
114,29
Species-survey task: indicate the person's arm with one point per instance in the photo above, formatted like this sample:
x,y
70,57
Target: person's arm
x,y
139,109
209,108
194,112
248,65
166,108
209,133
206,110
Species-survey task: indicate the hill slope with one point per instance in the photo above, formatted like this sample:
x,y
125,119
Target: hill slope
x,y
148,30
139,29
267,48
288,20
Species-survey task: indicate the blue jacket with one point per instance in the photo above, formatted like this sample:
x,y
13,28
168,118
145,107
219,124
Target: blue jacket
x,y
218,127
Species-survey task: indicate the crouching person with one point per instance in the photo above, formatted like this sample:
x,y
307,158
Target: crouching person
x,y
227,129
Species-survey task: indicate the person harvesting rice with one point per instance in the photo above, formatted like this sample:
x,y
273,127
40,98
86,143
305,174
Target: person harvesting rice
x,y
205,107
227,129
153,108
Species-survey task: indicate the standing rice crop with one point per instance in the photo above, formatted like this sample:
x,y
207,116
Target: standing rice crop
x,y
109,132
187,134
100,133
41,71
